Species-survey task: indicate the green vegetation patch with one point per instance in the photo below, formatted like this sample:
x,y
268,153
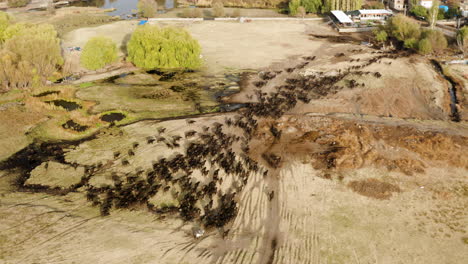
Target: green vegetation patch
x,y
152,47
98,52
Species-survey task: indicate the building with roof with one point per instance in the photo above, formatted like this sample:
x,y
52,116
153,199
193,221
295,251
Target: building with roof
x,y
370,14
342,19
396,4
425,3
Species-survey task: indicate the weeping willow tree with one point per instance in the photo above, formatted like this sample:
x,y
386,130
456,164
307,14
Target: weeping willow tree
x,y
29,55
152,47
345,5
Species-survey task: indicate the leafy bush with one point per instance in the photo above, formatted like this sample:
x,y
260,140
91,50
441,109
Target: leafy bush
x,y
380,35
293,6
403,29
5,21
31,54
419,11
218,9
301,12
436,38
18,3
424,46
411,43
462,39
147,8
310,6
98,52
192,13
152,47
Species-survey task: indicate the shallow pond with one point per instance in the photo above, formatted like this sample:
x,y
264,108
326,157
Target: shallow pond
x,y
69,106
123,7
70,124
112,117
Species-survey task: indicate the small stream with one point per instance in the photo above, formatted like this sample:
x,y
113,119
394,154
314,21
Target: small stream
x,y
454,114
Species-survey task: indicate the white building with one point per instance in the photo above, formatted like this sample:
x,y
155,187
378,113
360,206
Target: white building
x,y
396,4
370,14
341,18
425,3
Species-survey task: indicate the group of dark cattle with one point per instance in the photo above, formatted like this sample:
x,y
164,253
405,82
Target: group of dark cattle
x,y
213,153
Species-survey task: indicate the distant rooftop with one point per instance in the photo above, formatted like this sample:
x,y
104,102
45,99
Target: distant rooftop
x,y
375,11
341,16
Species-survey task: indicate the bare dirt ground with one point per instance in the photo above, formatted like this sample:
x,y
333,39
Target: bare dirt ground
x,y
316,170
225,45
305,211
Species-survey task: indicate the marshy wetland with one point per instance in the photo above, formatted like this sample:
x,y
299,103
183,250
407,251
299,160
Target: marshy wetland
x,y
323,151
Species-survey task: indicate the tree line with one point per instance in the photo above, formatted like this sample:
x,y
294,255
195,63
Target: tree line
x,y
323,6
31,55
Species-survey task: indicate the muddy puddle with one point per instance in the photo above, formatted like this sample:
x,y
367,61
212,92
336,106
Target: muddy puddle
x,y
46,93
67,105
72,125
113,117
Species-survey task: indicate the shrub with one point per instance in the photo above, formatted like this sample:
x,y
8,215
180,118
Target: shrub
x,y
147,8
18,3
411,43
152,47
436,38
98,52
424,46
301,12
218,9
5,21
462,39
236,12
192,13
403,28
293,6
380,35
32,51
419,11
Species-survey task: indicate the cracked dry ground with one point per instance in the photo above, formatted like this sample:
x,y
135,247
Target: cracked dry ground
x,y
267,183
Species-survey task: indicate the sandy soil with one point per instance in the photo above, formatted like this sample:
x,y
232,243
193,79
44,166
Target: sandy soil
x,y
313,216
225,45
338,179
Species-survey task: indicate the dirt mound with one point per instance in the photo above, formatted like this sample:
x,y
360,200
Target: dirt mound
x,y
373,188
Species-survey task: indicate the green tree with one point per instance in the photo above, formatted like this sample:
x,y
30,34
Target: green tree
x,y
381,35
404,29
424,47
345,5
147,8
152,47
419,11
32,51
436,38
433,13
293,6
312,6
462,40
98,52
